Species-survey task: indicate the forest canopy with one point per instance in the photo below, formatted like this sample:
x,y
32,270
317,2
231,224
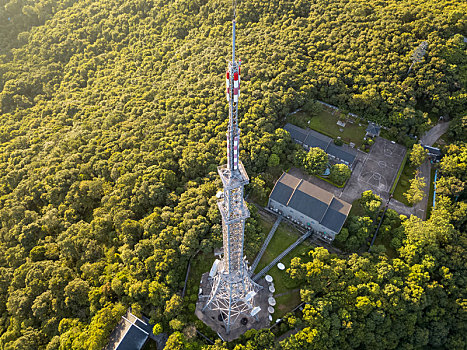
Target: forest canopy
x,y
112,124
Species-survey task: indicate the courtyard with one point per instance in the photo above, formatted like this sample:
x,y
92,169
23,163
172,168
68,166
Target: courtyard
x,y
375,171
325,122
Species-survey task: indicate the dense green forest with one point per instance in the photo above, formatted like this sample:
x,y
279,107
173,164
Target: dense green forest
x,y
112,124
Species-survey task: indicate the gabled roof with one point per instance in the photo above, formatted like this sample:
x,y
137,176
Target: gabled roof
x,y
284,188
131,333
343,152
373,128
336,214
134,339
313,138
295,132
308,205
311,200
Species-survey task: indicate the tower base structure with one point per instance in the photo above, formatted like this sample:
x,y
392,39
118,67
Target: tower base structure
x,y
214,318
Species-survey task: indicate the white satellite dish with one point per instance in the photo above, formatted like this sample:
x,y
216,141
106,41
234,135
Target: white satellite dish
x,y
213,271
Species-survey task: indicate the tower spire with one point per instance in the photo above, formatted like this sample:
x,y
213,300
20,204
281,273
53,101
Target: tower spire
x,y
231,292
234,19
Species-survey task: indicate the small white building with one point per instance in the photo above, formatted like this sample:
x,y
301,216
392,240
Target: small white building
x,y
309,205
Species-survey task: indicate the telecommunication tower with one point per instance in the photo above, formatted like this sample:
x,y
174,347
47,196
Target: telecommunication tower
x,y
232,290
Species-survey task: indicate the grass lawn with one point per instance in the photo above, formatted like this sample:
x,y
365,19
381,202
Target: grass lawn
x,y
356,209
325,123
404,183
286,288
265,226
283,237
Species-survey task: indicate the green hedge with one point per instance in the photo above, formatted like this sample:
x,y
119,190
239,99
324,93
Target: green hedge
x,y
399,172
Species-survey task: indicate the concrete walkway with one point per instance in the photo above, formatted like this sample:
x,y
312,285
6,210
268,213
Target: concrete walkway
x,y
282,255
265,244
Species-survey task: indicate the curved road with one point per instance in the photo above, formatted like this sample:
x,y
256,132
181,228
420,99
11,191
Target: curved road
x,y
430,137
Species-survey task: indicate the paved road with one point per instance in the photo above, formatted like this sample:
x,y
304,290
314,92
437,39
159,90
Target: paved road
x,y
430,137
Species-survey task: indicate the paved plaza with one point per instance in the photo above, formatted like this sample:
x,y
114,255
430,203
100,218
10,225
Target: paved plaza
x,y
374,171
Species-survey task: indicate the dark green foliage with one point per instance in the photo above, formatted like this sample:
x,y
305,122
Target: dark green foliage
x,y
338,142
369,302
113,122
315,161
340,173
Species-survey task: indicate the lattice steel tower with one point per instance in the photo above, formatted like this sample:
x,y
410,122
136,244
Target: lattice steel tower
x,y
232,292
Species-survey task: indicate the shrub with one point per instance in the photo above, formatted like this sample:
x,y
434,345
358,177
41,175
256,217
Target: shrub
x,y
338,142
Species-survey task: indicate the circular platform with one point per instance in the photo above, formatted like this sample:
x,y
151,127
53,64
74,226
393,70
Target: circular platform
x,y
268,278
270,309
272,289
281,266
272,301
270,318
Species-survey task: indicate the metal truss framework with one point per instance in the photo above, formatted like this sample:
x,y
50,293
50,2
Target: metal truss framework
x,y
232,291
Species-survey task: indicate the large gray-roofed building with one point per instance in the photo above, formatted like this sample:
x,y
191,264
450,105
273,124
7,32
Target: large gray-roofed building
x,y
336,215
310,138
343,153
309,205
315,139
282,193
297,134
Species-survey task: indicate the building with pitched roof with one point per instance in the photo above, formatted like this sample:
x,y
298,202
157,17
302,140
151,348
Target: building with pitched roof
x,y
373,129
309,205
132,333
309,138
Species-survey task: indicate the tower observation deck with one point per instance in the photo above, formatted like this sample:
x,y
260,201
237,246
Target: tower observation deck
x,y
232,297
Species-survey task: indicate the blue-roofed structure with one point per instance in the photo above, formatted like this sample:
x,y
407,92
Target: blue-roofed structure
x,y
310,138
309,205
132,333
336,215
344,153
297,134
315,139
373,129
